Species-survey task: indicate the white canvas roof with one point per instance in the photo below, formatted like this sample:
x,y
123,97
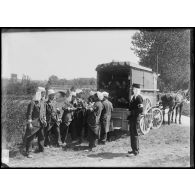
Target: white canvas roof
x,y
139,66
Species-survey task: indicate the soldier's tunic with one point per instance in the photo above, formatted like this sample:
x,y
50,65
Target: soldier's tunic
x,y
79,116
93,121
105,119
52,117
73,124
36,112
135,108
86,114
66,120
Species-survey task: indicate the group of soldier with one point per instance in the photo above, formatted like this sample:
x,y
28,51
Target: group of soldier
x,y
52,121
89,119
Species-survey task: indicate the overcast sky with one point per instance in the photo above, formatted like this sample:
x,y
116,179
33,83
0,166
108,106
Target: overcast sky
x,y
70,54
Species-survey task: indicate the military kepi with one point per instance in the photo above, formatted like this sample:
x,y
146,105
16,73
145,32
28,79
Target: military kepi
x,y
136,85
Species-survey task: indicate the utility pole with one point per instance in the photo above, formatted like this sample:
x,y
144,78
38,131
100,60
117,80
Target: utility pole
x,y
157,63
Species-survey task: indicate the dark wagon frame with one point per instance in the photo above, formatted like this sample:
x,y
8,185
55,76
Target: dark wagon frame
x,y
132,73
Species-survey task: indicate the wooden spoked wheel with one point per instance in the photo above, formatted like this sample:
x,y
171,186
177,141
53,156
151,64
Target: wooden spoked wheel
x,y
146,104
142,125
157,118
145,122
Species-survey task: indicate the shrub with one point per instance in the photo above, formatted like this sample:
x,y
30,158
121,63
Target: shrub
x,y
186,109
21,88
13,114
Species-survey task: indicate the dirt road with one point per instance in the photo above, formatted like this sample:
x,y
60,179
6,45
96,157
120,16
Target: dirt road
x,y
168,146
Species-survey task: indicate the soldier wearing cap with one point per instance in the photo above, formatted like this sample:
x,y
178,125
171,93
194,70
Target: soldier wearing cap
x,y
135,108
105,118
93,120
53,117
36,121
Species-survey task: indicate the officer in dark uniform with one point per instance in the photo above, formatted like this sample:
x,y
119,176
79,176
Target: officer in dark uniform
x,y
135,108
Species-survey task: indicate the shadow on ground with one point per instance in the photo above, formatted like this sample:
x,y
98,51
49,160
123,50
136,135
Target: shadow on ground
x,y
107,155
117,134
77,148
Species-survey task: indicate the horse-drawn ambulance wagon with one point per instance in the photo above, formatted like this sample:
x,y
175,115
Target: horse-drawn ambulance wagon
x,y
117,79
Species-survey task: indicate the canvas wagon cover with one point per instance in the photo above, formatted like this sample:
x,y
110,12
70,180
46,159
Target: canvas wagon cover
x,y
120,65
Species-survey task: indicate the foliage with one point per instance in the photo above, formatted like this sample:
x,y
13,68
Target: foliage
x,y
79,82
25,87
169,50
14,109
186,109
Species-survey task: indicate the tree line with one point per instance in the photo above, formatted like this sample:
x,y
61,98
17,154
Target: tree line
x,y
166,52
27,86
78,82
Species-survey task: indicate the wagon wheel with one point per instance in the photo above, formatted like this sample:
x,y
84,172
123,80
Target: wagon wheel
x,y
145,123
157,118
147,104
142,125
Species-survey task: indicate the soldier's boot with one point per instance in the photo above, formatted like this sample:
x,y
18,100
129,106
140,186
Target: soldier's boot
x,y
136,145
41,146
132,145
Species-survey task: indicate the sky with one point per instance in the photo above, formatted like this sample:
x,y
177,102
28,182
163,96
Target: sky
x,y
66,54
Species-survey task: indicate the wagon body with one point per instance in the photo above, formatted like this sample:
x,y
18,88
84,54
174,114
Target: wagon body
x,y
117,78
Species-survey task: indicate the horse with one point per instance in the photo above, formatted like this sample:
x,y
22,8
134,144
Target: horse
x,y
180,98
174,102
167,100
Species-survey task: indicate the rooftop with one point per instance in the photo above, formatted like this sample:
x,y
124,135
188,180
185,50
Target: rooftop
x,y
122,64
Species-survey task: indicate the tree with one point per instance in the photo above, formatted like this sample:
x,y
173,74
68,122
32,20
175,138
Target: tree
x,y
53,80
166,52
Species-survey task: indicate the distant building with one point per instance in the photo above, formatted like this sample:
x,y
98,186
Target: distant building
x,y
14,78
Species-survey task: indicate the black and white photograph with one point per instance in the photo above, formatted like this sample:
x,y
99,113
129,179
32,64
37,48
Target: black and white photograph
x,y
97,98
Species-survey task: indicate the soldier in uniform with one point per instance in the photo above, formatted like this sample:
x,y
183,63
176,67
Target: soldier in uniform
x,y
105,118
93,120
53,117
80,116
73,124
36,121
135,108
88,103
66,120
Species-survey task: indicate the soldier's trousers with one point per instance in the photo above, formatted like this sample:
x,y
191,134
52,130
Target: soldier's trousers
x,y
29,140
73,129
64,129
103,132
48,130
92,137
135,144
76,126
134,136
